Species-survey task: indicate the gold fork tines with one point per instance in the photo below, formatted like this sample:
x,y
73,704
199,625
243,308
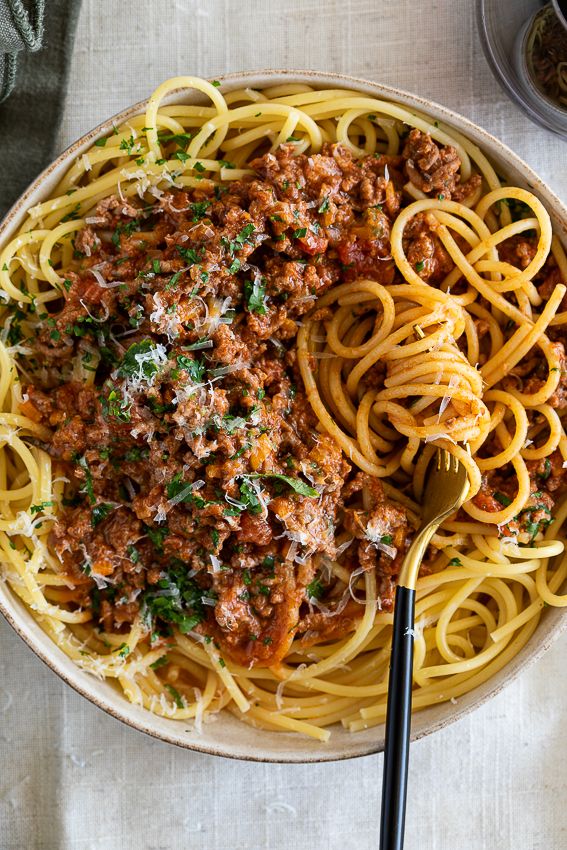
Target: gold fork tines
x,y
445,491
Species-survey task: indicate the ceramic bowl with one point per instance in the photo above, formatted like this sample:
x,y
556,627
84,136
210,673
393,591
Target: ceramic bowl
x,y
226,736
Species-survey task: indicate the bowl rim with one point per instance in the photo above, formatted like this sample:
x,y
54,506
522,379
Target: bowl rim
x,y
28,629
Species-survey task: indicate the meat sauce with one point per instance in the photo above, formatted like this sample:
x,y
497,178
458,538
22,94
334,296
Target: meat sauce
x,y
202,491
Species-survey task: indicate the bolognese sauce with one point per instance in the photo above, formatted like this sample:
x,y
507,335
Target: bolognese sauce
x,y
202,494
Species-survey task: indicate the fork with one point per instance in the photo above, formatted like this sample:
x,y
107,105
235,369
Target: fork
x,y
445,490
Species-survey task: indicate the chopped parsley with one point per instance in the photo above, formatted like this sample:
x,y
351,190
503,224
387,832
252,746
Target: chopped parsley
x,y
296,484
180,139
172,282
190,255
73,215
240,239
314,590
100,512
255,296
133,554
177,699
502,498
157,536
249,498
123,650
175,599
199,210
41,506
140,361
194,368
128,145
88,487
127,229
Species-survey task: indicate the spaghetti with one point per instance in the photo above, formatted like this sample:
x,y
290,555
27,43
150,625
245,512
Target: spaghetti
x,y
232,340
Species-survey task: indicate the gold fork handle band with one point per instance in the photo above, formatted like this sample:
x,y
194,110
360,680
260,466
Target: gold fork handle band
x,y
414,557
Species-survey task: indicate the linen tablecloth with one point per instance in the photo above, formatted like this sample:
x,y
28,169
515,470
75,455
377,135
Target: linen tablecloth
x,y
72,778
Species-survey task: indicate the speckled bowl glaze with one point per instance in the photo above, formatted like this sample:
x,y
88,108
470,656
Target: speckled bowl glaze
x,y
226,736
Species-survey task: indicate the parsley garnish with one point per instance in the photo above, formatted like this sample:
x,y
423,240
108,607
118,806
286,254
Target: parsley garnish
x,y
127,145
172,282
73,215
503,499
100,512
179,138
176,695
255,295
314,590
194,368
240,239
296,484
175,599
122,650
157,536
133,554
136,363
249,498
127,229
88,488
191,255
199,210
41,506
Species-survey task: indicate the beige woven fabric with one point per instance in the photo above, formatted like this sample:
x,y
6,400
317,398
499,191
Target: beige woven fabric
x,y
72,778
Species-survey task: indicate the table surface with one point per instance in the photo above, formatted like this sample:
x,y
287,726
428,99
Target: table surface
x,y
73,778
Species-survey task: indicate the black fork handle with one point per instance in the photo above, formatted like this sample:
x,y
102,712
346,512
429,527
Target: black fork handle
x,y
398,723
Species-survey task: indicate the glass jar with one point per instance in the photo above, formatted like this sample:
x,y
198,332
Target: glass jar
x,y
506,49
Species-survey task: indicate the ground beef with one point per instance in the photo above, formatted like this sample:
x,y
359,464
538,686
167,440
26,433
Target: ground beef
x,y
432,168
424,250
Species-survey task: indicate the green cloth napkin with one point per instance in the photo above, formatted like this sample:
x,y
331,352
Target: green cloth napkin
x,y
30,117
21,28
